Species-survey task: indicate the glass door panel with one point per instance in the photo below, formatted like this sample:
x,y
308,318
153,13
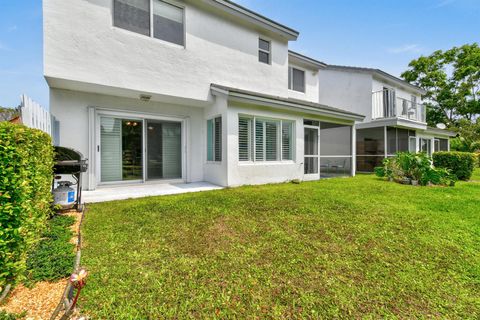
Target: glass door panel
x,y
311,153
121,149
164,150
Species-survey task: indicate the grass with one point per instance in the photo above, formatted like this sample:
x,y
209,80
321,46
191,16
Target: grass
x,y
52,259
349,248
476,175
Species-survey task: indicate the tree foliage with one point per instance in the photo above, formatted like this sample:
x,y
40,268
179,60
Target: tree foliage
x,y
452,81
7,114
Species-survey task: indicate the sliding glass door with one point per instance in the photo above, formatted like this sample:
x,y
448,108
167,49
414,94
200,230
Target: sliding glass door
x,y
121,149
139,149
164,150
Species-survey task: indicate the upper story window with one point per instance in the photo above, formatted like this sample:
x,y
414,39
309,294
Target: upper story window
x,y
296,79
264,51
156,18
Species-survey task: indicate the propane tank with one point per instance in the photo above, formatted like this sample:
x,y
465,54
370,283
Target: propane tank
x,y
63,195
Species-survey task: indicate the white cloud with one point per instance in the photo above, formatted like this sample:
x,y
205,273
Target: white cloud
x,y
12,28
443,3
407,48
4,47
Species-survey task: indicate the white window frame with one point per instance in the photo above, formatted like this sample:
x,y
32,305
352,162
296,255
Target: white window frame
x,y
269,52
290,84
252,140
213,139
151,36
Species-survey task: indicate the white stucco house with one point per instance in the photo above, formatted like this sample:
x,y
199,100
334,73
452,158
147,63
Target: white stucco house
x,y
207,90
395,118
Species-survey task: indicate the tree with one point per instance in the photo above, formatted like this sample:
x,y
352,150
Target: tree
x,y
7,114
452,81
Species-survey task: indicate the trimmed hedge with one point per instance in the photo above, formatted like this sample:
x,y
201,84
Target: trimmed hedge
x,y
461,164
26,170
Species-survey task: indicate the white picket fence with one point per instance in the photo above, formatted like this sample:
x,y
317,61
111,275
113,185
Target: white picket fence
x,y
34,115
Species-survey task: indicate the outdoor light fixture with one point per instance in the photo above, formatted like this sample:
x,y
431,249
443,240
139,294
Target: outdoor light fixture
x,y
145,97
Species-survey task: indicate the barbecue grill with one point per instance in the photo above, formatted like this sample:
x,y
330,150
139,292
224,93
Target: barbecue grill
x,y
70,162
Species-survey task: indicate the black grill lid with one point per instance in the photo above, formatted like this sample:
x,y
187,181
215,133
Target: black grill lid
x,y
69,161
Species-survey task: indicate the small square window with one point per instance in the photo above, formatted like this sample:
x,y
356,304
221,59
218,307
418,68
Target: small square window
x,y
264,51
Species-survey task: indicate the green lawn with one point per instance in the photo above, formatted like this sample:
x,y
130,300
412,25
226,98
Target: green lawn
x,y
354,247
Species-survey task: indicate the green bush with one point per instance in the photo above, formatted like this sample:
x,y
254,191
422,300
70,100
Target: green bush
x,y
406,167
4,315
52,259
26,162
460,163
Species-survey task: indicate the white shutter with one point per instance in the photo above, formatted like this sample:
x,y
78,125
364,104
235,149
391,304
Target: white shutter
x,y
272,145
287,136
111,149
244,133
259,140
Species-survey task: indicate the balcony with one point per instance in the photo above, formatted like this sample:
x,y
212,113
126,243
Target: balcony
x,y
385,104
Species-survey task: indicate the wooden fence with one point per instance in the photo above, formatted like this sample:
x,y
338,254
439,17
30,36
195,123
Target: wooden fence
x,y
34,115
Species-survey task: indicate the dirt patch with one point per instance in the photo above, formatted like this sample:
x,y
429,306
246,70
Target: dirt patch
x,y
220,235
39,302
76,226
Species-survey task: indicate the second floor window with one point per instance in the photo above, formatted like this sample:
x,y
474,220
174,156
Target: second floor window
x,y
296,79
156,18
264,51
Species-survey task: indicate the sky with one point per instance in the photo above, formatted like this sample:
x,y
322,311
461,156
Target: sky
x,y
384,34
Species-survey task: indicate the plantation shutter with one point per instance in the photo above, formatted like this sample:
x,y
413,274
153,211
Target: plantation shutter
x,y
259,140
287,135
111,149
271,140
218,139
244,129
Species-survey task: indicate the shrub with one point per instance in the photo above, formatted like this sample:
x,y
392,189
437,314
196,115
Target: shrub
x,y
460,163
406,166
26,162
52,259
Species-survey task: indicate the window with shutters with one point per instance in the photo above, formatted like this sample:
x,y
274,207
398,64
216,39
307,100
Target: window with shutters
x,y
296,79
214,139
156,18
262,139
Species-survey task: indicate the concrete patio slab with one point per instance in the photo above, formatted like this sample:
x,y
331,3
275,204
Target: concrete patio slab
x,y
131,191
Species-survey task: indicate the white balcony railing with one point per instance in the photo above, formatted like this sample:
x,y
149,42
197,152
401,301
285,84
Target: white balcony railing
x,y
385,104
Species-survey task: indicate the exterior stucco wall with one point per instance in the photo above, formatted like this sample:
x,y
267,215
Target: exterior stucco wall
x,y
379,84
72,110
241,173
216,172
81,44
311,85
351,91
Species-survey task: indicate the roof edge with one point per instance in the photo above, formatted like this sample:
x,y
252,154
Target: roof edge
x,y
228,5
380,73
288,102
311,61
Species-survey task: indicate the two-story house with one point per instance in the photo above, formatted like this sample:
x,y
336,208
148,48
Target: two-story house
x,y
156,91
187,91
395,118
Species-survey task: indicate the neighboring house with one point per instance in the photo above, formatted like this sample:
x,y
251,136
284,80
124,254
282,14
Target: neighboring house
x,y
188,91
395,116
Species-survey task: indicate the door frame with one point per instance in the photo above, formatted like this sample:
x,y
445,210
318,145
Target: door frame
x,y
94,141
311,176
